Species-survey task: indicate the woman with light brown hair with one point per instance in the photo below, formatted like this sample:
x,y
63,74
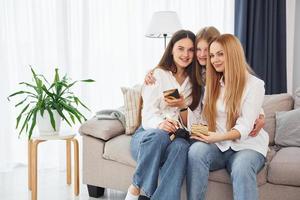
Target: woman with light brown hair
x,y
232,101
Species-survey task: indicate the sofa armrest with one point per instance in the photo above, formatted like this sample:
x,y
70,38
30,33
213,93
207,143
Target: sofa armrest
x,y
102,129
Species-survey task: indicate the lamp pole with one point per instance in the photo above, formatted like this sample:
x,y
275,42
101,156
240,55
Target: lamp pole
x,y
165,39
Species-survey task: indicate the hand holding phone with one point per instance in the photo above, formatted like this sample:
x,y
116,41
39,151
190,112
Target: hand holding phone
x,y
171,94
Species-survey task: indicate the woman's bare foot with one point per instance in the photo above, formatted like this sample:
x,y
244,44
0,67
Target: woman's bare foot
x,y
134,190
133,193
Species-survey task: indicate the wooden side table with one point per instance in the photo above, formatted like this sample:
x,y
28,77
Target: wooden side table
x,y
33,157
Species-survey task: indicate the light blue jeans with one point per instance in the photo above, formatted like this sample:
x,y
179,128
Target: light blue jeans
x,y
241,165
159,158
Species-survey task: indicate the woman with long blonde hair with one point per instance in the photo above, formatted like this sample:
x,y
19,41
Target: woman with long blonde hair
x,y
232,102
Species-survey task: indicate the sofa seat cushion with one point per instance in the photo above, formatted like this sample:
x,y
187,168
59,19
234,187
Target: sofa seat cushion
x,y
222,176
118,149
284,168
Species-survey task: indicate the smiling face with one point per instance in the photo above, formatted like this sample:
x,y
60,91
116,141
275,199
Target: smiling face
x,y
217,57
183,52
202,52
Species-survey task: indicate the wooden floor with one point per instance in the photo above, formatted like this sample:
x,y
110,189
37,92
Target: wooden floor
x,y
51,186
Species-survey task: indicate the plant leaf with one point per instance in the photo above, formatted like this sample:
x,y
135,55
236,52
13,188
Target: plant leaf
x,y
21,102
38,82
20,92
20,115
71,110
56,76
61,114
28,85
72,117
88,80
51,118
82,104
67,87
32,124
41,75
47,92
28,117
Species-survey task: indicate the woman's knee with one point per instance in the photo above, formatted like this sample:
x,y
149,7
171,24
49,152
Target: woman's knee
x,y
198,150
247,163
157,136
180,145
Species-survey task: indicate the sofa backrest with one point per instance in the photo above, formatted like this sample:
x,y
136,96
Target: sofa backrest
x,y
272,104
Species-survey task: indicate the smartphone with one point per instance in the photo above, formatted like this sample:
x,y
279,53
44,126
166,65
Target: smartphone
x,y
172,94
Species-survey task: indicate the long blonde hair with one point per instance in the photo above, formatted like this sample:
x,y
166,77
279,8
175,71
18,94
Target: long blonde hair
x,y
235,76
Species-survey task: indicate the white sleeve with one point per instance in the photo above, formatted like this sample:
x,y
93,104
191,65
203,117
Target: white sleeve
x,y
251,107
152,96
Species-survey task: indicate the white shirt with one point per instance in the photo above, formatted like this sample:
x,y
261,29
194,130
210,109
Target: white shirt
x,y
155,109
252,100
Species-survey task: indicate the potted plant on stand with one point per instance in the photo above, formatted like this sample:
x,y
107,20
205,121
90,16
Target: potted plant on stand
x,y
45,104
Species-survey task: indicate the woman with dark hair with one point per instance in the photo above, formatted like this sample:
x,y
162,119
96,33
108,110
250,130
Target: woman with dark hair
x,y
159,156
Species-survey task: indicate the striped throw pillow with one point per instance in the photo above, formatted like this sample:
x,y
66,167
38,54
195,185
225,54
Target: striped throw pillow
x,y
132,101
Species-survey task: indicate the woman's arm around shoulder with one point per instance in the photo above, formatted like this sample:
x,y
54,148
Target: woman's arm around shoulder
x,y
250,106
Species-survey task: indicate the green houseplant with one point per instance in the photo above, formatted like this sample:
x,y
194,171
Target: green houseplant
x,y
42,97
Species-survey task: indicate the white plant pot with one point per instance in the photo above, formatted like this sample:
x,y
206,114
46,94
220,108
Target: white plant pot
x,y
44,124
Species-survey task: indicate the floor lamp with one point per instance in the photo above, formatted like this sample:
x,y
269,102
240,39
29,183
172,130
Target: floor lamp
x,y
163,24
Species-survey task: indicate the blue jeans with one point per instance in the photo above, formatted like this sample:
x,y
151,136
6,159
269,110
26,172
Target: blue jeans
x,y
159,158
241,165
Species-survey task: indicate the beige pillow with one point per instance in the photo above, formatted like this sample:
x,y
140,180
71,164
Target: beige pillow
x,y
103,129
132,101
272,104
297,99
288,128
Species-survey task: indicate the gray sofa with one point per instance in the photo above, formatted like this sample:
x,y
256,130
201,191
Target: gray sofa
x,y
107,162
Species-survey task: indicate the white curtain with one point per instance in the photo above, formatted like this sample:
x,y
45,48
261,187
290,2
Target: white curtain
x,y
99,39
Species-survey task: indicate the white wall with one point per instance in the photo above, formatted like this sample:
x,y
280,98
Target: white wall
x,y
296,68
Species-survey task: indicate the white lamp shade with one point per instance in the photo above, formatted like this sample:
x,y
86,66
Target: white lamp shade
x,y
163,22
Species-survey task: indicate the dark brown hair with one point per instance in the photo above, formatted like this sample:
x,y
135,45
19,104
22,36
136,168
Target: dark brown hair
x,y
167,63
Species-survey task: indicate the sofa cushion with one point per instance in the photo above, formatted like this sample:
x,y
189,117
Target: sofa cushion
x,y
132,103
118,149
288,128
222,176
297,98
103,129
284,168
272,104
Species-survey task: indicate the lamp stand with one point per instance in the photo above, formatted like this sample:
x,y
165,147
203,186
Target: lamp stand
x,y
165,39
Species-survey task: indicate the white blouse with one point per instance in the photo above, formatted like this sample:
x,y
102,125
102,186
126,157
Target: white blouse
x,y
155,109
252,100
